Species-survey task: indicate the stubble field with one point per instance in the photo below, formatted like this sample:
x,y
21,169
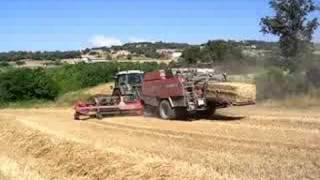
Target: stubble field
x,y
250,142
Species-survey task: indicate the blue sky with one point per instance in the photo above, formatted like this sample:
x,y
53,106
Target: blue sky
x,y
66,24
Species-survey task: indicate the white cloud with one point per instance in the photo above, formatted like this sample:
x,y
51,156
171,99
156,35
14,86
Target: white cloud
x,y
101,40
136,40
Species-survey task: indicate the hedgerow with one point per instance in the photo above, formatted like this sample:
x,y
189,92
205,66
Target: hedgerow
x,y
31,84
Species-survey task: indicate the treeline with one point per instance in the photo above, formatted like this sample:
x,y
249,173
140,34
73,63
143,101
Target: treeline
x,y
151,45
47,84
147,49
261,45
248,56
156,45
44,55
214,52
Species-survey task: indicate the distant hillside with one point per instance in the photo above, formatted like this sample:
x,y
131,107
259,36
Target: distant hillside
x,y
41,56
245,44
137,51
157,50
141,45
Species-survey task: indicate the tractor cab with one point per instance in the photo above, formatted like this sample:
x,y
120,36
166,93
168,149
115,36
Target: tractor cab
x,y
128,83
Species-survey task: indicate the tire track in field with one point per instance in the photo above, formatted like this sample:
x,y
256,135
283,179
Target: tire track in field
x,y
207,139
262,123
189,146
270,120
230,128
240,155
305,120
200,143
288,113
2,177
69,160
275,123
239,141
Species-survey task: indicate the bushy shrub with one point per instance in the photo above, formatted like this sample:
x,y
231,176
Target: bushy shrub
x,y
4,64
26,84
313,73
20,63
276,83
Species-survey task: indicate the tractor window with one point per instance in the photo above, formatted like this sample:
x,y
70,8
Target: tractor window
x,y
122,80
135,78
169,74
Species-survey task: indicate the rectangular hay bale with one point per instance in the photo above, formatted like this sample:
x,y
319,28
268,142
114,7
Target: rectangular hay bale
x,y
232,92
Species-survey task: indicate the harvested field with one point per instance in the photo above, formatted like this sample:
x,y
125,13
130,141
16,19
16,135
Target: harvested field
x,y
239,143
2,177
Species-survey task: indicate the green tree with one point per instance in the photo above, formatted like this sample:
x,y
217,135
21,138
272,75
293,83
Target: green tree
x,y
129,57
192,55
20,63
294,29
4,63
26,84
219,49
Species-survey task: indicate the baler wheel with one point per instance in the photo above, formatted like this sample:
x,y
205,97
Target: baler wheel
x,y
209,112
149,111
99,116
76,116
166,111
181,113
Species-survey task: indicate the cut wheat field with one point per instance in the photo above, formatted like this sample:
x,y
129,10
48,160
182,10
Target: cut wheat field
x,y
239,143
